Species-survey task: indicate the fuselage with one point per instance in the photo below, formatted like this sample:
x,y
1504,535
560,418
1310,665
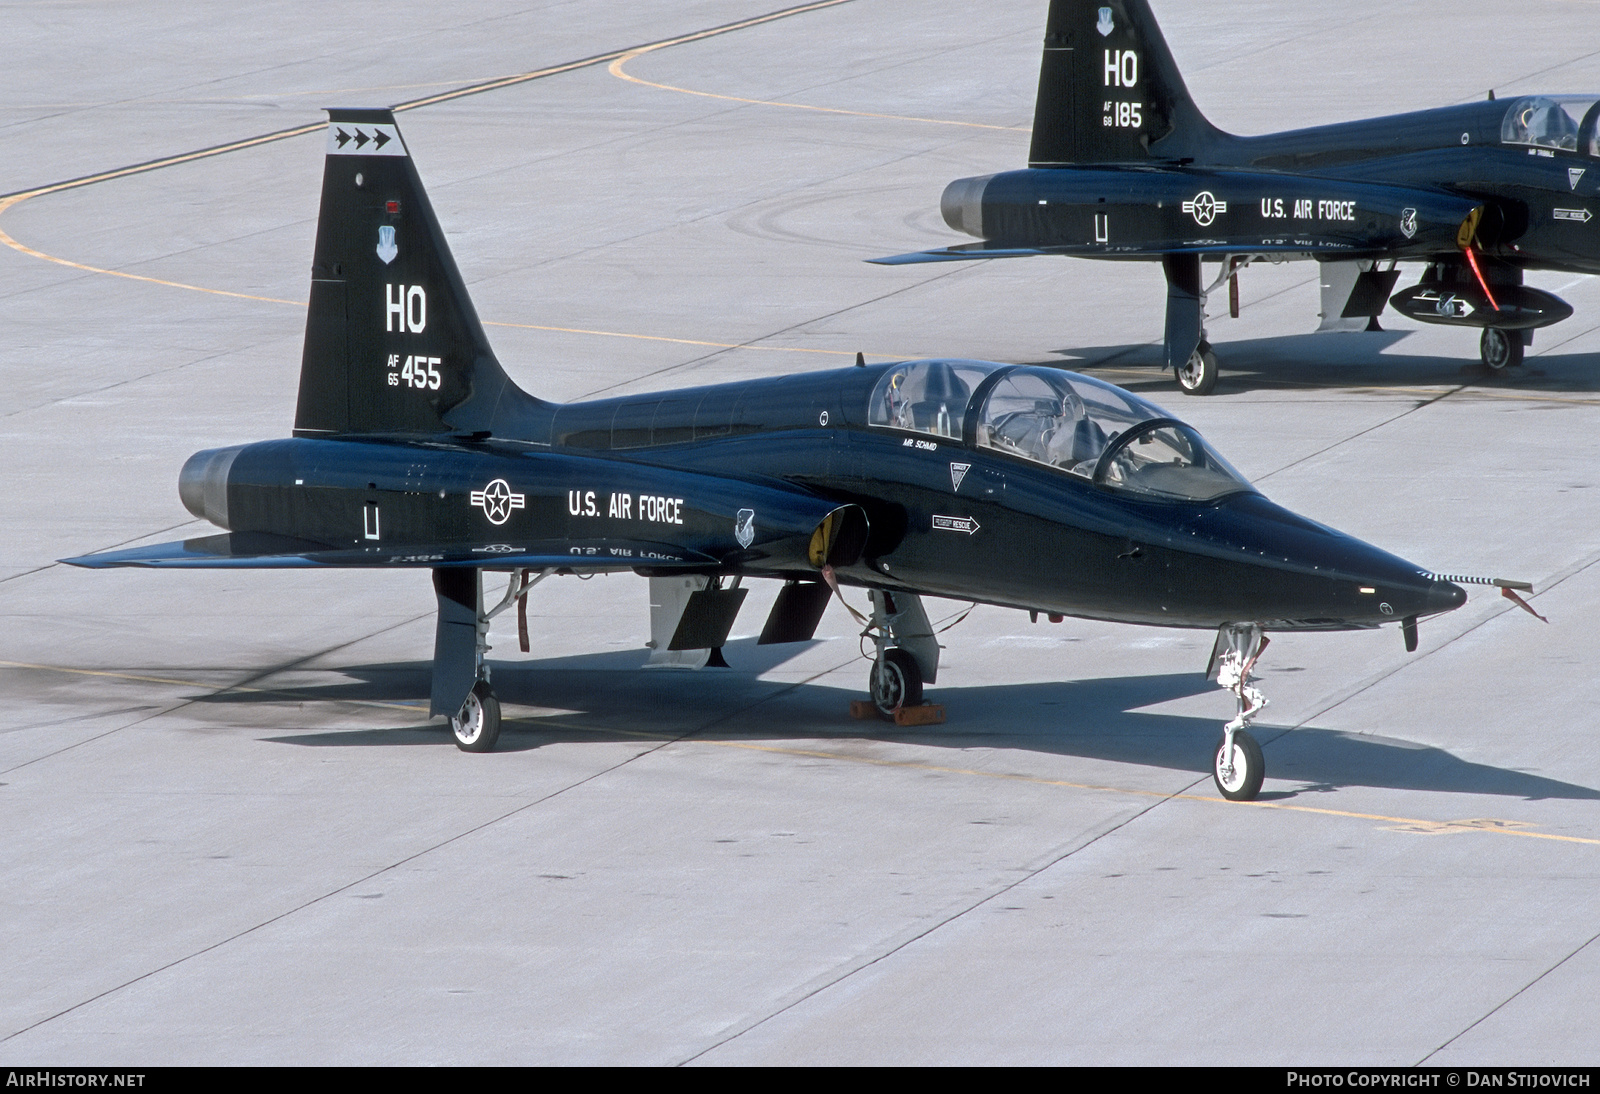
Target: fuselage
x,y
1395,188
1534,165
954,503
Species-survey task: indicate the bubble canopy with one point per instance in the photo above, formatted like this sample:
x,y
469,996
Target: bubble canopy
x,y
1063,420
1564,123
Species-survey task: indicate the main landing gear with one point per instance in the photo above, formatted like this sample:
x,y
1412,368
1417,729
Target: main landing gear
x,y
461,688
1184,344
896,682
1198,375
1238,766
1500,349
908,653
477,724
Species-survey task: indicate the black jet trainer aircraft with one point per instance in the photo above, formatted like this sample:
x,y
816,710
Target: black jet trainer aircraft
x,y
1027,487
1124,166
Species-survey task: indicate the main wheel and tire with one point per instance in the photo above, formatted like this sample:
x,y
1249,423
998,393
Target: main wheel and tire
x,y
896,682
1500,349
1240,780
1198,375
477,724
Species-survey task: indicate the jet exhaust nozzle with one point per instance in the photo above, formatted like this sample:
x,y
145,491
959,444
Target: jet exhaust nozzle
x,y
203,483
962,205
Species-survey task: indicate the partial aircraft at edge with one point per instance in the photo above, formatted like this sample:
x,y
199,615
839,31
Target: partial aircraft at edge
x,y
1025,487
1124,166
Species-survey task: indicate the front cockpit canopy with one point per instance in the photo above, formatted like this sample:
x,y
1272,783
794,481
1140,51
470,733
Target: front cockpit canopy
x,y
927,396
1565,123
1060,419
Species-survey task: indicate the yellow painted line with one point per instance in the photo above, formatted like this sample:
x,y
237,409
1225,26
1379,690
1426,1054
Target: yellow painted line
x,y
1407,824
165,161
616,70
1513,395
494,85
32,252
1468,390
5,237
112,675
1500,827
413,104
6,203
321,126
689,341
213,688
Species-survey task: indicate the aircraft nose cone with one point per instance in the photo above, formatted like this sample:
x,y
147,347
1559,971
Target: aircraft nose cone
x,y
1412,592
1443,596
1318,574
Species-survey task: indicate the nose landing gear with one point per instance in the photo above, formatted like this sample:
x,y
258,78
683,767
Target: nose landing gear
x,y
1238,766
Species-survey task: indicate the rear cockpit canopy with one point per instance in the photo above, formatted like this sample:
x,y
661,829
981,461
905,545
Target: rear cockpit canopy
x,y
1060,419
1565,123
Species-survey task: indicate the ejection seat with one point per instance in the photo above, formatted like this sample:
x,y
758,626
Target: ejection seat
x,y
944,401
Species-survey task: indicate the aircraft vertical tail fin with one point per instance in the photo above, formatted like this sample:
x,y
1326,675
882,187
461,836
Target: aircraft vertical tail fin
x,y
1109,90
393,343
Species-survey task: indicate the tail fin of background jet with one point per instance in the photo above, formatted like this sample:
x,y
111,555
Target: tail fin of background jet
x,y
393,344
1109,91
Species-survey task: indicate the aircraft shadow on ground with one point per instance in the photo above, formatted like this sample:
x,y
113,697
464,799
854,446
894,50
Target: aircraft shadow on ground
x,y
610,697
1343,360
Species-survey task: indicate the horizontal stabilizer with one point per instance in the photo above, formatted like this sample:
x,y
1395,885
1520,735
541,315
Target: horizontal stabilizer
x,y
259,551
255,550
965,252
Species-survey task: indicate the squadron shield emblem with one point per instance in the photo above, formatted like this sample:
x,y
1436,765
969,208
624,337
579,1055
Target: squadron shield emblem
x,y
386,245
744,527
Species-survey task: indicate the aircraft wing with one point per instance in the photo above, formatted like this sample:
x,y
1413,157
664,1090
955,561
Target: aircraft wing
x,y
966,252
260,551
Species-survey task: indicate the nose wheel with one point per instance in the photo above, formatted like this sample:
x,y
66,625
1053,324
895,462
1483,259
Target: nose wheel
x,y
1238,767
477,724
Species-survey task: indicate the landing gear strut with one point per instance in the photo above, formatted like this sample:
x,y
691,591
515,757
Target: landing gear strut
x,y
1187,352
1238,766
908,653
1500,349
461,689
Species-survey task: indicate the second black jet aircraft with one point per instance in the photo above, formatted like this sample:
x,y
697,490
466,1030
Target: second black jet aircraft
x,y
1124,166
1027,487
